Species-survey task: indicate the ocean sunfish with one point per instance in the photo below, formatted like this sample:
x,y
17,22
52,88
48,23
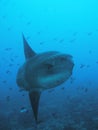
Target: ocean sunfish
x,y
41,72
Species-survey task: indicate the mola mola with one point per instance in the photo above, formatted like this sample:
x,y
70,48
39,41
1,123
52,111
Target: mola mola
x,y
41,72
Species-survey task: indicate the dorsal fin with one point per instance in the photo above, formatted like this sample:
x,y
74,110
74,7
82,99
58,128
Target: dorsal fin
x,y
27,49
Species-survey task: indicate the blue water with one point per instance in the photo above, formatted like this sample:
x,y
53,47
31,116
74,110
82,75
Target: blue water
x,y
64,25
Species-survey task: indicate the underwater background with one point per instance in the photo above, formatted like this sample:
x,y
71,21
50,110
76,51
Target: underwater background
x,y
68,26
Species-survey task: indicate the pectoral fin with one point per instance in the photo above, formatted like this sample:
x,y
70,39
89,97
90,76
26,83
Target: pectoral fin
x,y
34,99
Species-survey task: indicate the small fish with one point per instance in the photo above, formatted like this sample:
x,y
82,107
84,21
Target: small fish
x,y
72,79
18,64
51,90
62,88
38,33
10,88
9,29
90,51
88,66
73,40
23,95
75,33
23,110
54,114
8,98
4,81
28,23
4,16
12,59
10,64
90,33
16,56
8,71
61,41
55,39
82,66
41,42
8,49
86,89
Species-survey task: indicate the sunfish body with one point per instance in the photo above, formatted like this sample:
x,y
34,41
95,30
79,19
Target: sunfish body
x,y
41,72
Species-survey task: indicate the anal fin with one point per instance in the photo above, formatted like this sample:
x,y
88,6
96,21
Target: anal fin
x,y
34,99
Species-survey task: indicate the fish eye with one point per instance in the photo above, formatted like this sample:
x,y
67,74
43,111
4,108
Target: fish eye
x,y
49,66
63,59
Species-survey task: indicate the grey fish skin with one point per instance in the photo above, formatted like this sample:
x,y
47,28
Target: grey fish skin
x,y
41,72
